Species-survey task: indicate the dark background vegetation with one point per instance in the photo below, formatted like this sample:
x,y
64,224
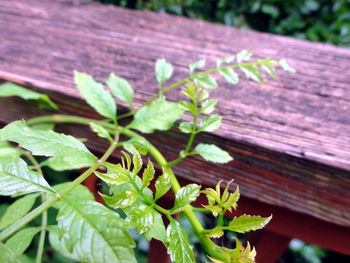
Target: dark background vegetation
x,y
316,20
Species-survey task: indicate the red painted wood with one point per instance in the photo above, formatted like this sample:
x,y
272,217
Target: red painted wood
x,y
269,246
157,253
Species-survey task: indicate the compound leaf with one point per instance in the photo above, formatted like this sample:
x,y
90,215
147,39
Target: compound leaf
x,y
9,89
95,95
212,153
159,115
17,179
120,88
67,152
178,245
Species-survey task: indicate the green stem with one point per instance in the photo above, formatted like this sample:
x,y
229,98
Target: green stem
x,y
41,244
207,244
50,202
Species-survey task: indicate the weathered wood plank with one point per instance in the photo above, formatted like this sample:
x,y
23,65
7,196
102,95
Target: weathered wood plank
x,y
290,137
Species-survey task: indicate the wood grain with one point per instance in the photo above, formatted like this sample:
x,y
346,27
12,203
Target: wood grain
x,y
290,137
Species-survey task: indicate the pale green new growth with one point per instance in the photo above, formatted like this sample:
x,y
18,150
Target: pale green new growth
x,y
121,88
94,93
163,71
212,153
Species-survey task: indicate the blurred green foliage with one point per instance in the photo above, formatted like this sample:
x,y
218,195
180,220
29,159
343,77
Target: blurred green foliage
x,y
315,20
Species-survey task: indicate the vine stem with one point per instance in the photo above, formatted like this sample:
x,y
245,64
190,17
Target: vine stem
x,y
53,200
208,245
40,251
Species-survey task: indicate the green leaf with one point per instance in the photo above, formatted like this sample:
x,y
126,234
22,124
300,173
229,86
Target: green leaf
x,y
212,153
113,178
17,210
9,89
268,67
17,179
163,71
188,106
214,209
7,150
94,233
246,223
232,200
20,241
148,174
157,230
229,75
243,56
79,194
159,115
210,123
215,232
137,143
196,65
121,88
186,195
252,72
121,200
95,95
137,162
205,81
178,245
7,255
58,245
286,67
190,90
101,132
162,185
141,217
208,106
185,127
66,151
227,60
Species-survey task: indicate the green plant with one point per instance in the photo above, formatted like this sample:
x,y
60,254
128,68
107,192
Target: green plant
x,y
87,231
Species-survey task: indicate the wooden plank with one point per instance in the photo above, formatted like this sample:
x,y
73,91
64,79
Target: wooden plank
x,y
290,137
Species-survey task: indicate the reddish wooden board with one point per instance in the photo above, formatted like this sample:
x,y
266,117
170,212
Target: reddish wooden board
x,y
290,137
